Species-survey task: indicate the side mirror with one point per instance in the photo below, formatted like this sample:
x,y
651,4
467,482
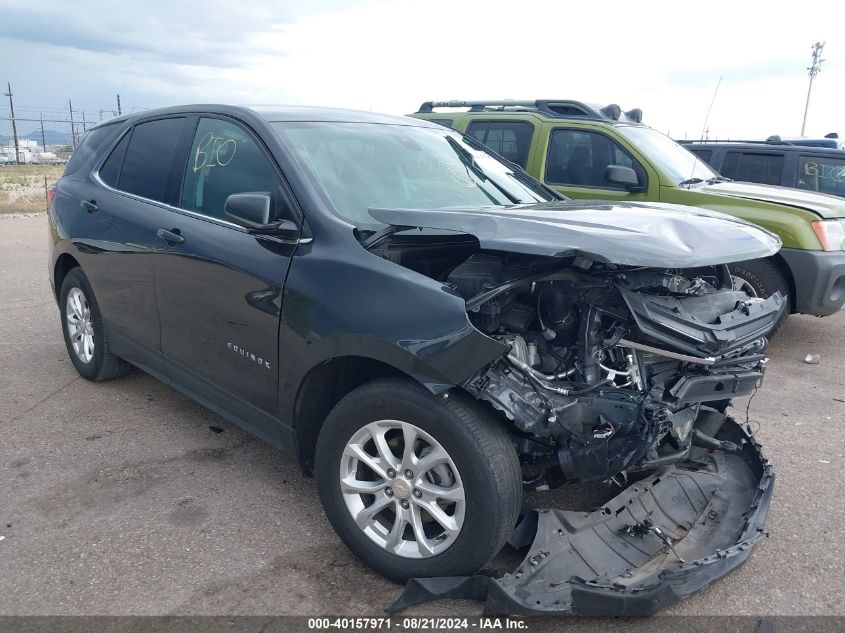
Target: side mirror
x,y
619,175
252,211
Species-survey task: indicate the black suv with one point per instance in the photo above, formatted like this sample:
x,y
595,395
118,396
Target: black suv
x,y
428,329
800,164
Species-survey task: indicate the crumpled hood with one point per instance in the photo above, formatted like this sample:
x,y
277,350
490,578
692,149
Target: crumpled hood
x,y
655,235
825,205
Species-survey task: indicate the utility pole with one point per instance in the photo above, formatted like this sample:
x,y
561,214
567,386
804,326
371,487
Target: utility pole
x,y
72,128
14,125
43,141
813,69
118,105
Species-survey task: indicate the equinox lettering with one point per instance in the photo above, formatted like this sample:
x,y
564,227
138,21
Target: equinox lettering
x,y
249,355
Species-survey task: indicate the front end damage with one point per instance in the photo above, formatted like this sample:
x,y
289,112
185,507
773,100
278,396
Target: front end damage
x,y
619,374
658,541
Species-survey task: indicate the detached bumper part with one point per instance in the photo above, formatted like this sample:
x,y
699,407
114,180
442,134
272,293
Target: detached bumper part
x,y
612,561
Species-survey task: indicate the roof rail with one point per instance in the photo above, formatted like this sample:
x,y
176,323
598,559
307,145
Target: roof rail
x,y
772,140
558,108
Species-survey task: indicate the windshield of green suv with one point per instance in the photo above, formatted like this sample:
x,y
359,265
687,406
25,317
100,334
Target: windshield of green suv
x,y
359,166
672,158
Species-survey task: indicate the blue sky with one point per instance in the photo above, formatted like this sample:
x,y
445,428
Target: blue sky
x,y
664,57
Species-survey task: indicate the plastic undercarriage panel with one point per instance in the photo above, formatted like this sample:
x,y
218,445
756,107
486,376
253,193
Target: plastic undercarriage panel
x,y
614,560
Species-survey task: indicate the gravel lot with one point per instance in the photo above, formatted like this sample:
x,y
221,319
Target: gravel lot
x,y
117,498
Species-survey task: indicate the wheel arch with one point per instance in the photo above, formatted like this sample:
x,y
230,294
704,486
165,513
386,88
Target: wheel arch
x,y
322,388
64,264
784,269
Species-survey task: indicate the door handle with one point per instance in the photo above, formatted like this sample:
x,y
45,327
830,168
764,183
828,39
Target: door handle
x,y
173,236
89,205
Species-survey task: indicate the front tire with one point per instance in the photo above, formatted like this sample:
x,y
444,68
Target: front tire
x,y
84,332
417,485
761,278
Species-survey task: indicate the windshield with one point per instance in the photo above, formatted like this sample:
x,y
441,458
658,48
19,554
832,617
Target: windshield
x,y
359,166
674,159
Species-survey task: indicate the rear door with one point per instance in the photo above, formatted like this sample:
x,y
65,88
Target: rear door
x,y
219,288
135,178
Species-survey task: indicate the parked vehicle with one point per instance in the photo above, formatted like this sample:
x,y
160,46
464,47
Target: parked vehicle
x,y
776,162
590,152
45,158
416,321
9,157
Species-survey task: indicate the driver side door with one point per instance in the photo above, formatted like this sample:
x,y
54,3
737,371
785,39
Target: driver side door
x,y
575,165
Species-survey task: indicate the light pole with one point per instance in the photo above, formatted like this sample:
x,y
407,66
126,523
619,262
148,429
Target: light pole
x,y
814,69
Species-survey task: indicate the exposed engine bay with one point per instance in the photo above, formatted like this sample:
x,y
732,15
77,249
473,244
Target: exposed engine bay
x,y
620,374
610,367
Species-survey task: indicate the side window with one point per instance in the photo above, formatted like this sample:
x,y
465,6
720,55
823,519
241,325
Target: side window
x,y
821,173
110,171
580,158
91,142
703,154
149,157
511,139
224,160
753,167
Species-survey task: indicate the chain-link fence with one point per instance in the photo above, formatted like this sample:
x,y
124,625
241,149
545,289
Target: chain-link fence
x,y
33,152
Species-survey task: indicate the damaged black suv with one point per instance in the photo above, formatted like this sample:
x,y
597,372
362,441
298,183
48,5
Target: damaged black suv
x,y
429,330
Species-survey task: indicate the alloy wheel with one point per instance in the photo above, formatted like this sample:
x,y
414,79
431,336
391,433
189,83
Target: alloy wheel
x,y
80,327
402,489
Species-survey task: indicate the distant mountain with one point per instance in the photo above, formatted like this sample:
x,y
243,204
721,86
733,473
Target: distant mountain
x,y
51,137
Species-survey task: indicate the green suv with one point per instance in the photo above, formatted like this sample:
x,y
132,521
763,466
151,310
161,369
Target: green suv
x,y
591,152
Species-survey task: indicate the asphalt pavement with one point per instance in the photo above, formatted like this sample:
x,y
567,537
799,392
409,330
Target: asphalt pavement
x,y
119,497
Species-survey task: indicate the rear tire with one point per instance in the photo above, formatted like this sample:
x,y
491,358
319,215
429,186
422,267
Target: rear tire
x,y
477,473
762,278
84,332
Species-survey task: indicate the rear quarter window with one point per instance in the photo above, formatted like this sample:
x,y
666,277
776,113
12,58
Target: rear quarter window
x,y
89,148
110,171
704,154
511,139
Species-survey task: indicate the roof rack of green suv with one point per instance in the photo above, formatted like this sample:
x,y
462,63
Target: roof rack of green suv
x,y
558,108
830,141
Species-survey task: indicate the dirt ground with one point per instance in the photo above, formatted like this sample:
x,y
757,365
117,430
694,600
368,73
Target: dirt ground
x,y
23,188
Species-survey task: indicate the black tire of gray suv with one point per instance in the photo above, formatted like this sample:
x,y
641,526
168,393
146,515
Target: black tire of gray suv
x,y
476,445
765,279
102,364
